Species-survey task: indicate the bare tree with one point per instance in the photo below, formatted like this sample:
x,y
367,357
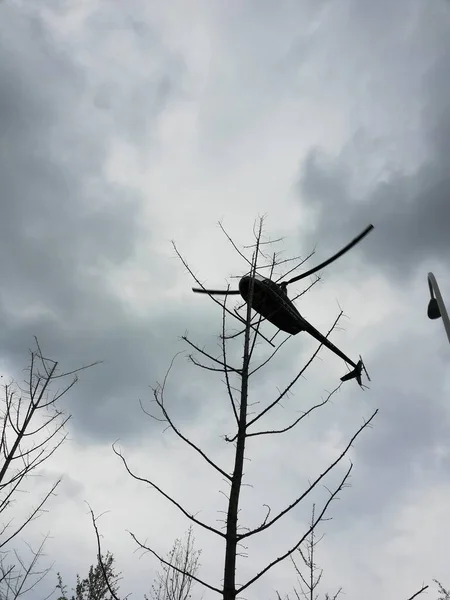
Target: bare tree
x,y
23,574
177,584
237,380
234,533
309,583
32,429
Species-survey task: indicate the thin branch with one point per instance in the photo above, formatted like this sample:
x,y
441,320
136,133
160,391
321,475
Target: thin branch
x,y
160,402
206,367
158,394
313,485
99,552
224,354
263,364
291,550
32,515
423,588
241,254
216,360
172,566
265,243
301,417
174,502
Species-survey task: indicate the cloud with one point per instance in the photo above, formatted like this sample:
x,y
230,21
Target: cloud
x,y
369,181
67,230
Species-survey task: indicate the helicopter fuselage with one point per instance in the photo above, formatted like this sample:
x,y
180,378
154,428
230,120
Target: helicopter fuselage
x,y
270,300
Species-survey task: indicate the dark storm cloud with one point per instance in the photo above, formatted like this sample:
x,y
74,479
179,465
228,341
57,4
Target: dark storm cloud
x,y
410,210
64,228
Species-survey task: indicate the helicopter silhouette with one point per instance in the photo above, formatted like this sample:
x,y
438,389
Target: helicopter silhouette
x,y
270,299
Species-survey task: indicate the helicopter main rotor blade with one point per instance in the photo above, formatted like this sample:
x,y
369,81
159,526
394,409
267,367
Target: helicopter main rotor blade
x,y
333,258
215,292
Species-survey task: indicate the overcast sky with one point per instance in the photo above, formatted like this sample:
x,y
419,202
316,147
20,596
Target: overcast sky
x,y
125,125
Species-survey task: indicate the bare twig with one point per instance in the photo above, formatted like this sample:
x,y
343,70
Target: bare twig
x,y
216,360
293,548
241,254
19,582
159,398
99,554
300,418
166,496
173,566
174,585
422,589
224,354
313,485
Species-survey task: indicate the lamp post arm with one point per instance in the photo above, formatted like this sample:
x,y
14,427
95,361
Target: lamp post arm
x,y
432,283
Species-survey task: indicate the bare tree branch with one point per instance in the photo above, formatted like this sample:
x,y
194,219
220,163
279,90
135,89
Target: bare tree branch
x,y
174,502
241,254
293,548
34,513
16,582
422,589
216,360
159,398
99,554
224,354
312,486
174,585
300,418
173,566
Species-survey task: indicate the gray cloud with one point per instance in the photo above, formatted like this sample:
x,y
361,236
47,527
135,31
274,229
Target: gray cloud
x,y
65,228
409,207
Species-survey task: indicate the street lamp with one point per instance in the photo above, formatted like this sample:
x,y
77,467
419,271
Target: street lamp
x,y
436,306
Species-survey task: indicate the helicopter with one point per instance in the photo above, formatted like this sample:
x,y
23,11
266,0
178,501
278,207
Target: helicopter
x,y
270,299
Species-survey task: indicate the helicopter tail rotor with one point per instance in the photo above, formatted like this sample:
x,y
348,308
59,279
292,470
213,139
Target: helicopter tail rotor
x,y
355,373
364,368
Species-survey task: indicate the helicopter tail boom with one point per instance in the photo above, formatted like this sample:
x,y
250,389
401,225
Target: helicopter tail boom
x,y
326,342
